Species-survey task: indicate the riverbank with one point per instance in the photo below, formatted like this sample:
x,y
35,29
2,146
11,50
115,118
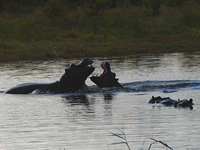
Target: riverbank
x,y
119,31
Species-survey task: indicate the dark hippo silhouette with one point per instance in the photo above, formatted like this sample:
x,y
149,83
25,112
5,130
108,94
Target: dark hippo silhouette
x,y
71,81
167,101
184,103
107,78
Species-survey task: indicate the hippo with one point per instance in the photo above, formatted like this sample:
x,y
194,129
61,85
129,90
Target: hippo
x,y
158,99
71,81
167,101
184,103
107,78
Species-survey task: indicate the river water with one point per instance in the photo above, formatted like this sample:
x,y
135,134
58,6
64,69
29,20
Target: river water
x,y
89,120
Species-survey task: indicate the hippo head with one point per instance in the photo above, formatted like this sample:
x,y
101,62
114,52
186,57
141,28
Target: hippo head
x,y
75,76
107,78
184,103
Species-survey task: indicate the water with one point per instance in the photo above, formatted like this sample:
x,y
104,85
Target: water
x,y
87,120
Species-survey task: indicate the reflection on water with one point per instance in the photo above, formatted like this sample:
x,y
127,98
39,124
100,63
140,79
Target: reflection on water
x,y
86,119
77,99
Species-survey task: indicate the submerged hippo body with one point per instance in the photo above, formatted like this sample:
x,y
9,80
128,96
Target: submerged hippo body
x,y
72,80
107,78
167,101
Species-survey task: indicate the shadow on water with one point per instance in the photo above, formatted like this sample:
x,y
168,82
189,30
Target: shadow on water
x,y
86,103
80,99
108,98
83,99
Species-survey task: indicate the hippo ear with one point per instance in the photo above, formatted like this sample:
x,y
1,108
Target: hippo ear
x,y
72,65
114,74
175,104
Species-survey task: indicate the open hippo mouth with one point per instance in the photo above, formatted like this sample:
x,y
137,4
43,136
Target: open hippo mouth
x,y
86,64
106,68
76,74
80,71
107,78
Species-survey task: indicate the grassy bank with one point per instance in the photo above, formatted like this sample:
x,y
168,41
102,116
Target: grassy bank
x,y
118,31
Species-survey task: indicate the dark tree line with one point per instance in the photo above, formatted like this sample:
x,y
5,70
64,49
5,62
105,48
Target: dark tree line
x,y
5,4
94,7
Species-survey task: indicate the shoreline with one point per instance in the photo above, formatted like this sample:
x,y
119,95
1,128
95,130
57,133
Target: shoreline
x,y
101,51
16,61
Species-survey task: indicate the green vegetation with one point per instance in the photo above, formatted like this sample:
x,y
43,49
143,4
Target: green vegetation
x,y
50,29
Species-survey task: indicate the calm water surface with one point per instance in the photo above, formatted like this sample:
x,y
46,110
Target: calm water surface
x,y
86,120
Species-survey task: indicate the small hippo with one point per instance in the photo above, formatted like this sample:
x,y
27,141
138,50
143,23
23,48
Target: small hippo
x,y
157,99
